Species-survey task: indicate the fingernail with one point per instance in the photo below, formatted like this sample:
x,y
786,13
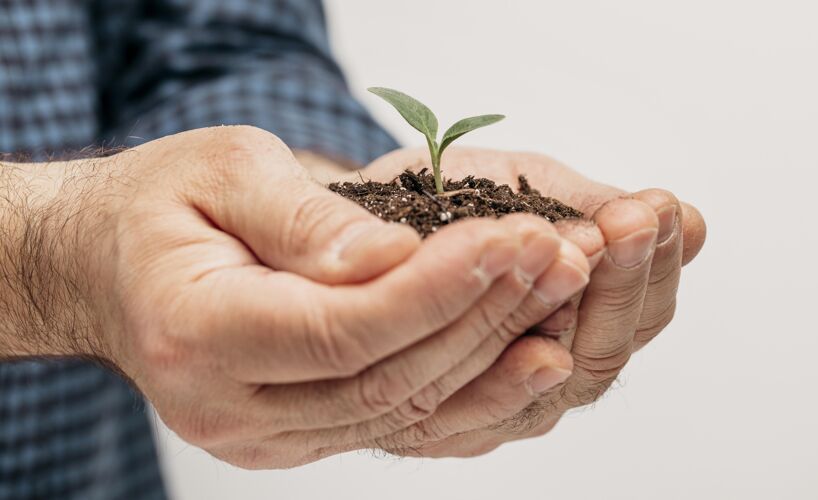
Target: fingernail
x,y
359,237
547,378
536,255
562,280
499,258
633,249
667,223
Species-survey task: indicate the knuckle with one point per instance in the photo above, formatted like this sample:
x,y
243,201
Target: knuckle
x,y
416,434
519,320
493,316
412,419
229,152
485,317
602,365
525,420
562,321
245,140
589,389
426,401
506,332
234,148
425,432
381,391
300,230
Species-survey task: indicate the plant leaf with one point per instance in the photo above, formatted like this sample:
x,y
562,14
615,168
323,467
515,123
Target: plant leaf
x,y
465,126
413,111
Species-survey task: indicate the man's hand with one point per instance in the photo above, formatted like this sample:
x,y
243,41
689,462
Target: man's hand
x,y
636,244
267,319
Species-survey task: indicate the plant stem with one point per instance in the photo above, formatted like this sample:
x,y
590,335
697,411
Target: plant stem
x,y
435,150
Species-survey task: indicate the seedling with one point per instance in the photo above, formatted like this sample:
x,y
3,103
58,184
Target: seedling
x,y
422,119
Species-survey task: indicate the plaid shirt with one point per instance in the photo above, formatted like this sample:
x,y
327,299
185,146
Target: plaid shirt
x,y
75,73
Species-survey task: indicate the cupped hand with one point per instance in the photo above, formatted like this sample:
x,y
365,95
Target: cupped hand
x,y
636,244
273,322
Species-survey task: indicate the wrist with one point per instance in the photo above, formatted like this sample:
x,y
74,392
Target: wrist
x,y
44,294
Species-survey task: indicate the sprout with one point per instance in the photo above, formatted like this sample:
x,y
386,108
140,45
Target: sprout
x,y
422,119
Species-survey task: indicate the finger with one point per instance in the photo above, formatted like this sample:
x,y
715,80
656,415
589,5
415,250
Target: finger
x,y
508,386
665,270
458,414
694,232
563,323
612,302
587,236
482,441
257,192
571,187
340,411
276,327
528,368
560,281
408,386
560,325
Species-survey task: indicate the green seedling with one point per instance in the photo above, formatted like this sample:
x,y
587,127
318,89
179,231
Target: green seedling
x,y
422,119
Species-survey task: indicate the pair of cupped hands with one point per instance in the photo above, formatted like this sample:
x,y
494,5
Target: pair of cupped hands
x,y
274,323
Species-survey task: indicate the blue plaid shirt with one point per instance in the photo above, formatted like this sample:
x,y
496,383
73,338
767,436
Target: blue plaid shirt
x,y
75,73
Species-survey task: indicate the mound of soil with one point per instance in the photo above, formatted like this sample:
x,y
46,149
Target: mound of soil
x,y
410,199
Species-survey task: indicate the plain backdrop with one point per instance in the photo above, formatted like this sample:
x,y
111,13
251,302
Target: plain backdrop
x,y
716,100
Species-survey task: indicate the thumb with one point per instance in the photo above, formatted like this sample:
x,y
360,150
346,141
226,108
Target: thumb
x,y
294,224
314,232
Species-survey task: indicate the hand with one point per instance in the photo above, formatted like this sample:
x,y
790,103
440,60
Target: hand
x,y
269,320
636,245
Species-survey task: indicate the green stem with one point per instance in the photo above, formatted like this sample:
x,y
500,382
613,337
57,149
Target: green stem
x,y
434,149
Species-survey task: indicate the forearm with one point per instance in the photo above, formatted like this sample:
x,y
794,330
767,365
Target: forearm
x,y
43,297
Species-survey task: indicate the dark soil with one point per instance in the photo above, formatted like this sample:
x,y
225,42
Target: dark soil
x,y
410,199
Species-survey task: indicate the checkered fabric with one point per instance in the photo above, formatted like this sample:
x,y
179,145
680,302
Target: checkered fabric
x,y
75,73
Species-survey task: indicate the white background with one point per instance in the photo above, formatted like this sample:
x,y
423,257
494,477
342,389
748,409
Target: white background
x,y
716,100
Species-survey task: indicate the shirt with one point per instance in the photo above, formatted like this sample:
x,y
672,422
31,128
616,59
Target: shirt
x,y
75,73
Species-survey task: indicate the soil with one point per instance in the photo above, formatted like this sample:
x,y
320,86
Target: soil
x,y
410,199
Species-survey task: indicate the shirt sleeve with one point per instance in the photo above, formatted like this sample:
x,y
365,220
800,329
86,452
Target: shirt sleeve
x,y
172,65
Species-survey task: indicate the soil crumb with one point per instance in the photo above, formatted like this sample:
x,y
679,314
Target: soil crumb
x,y
410,199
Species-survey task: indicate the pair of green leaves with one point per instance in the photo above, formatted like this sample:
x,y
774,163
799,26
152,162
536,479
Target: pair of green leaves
x,y
419,116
